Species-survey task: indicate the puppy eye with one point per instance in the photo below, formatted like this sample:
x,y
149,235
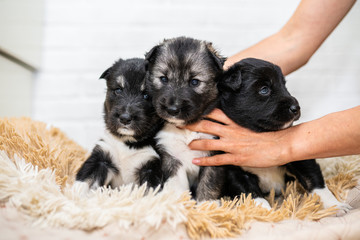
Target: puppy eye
x,y
164,79
118,91
264,91
146,97
194,82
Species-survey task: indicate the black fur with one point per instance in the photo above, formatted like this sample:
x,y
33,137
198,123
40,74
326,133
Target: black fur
x,y
243,101
150,173
97,167
129,106
308,173
170,164
132,122
253,94
239,181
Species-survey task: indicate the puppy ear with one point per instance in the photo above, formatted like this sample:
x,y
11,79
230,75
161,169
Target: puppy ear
x,y
151,56
219,60
231,80
106,74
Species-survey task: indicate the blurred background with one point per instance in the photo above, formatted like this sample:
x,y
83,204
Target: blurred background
x,y
52,53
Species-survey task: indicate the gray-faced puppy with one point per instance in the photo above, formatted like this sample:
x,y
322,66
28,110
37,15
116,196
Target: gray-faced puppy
x,y
182,74
253,94
125,154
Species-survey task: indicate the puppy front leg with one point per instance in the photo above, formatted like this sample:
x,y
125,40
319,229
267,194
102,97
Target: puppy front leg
x,y
239,181
151,173
329,200
309,174
178,182
211,181
98,170
174,175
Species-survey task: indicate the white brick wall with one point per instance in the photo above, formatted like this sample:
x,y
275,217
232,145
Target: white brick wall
x,y
84,37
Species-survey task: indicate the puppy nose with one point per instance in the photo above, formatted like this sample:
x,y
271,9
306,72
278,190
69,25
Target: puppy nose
x,y
125,118
173,110
295,109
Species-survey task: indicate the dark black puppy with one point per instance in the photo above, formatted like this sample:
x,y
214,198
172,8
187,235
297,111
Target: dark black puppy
x,y
253,94
182,74
125,154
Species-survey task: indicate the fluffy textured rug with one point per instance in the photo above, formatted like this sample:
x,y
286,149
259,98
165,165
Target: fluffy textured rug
x,y
37,169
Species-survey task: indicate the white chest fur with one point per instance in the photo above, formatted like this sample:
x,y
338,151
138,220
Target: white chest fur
x,y
269,178
126,159
175,142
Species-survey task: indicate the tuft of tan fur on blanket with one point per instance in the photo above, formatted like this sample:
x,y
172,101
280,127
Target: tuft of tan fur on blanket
x,y
38,165
45,147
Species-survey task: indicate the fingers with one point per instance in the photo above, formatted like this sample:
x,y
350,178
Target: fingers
x,y
207,145
219,116
207,126
216,160
217,129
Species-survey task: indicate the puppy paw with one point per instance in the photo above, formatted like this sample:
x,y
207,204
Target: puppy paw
x,y
207,202
343,208
329,200
263,203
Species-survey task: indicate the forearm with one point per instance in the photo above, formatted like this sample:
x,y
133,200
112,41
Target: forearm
x,y
335,134
301,36
280,48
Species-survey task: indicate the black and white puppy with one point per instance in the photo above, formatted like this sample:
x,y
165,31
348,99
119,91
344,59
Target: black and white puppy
x,y
125,154
182,75
253,94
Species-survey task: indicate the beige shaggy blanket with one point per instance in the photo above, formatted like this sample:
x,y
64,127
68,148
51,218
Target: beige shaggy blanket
x,y
39,200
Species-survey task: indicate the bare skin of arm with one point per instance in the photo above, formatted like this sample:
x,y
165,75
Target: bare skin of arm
x,y
301,36
333,135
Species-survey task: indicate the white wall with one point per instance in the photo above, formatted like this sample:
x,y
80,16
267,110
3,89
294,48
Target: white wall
x,y
20,52
15,89
21,29
84,37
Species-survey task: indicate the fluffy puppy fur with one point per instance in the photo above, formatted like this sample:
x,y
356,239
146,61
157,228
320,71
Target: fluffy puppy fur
x,y
125,154
253,94
182,74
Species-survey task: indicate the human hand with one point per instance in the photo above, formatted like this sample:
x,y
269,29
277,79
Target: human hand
x,y
241,146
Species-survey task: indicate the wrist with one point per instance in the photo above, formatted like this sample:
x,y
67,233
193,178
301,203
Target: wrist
x,y
289,145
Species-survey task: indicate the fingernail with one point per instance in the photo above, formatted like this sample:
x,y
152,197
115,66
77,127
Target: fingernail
x,y
196,161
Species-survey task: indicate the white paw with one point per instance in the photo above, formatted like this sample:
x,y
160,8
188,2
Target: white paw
x,y
217,202
262,202
343,209
329,200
